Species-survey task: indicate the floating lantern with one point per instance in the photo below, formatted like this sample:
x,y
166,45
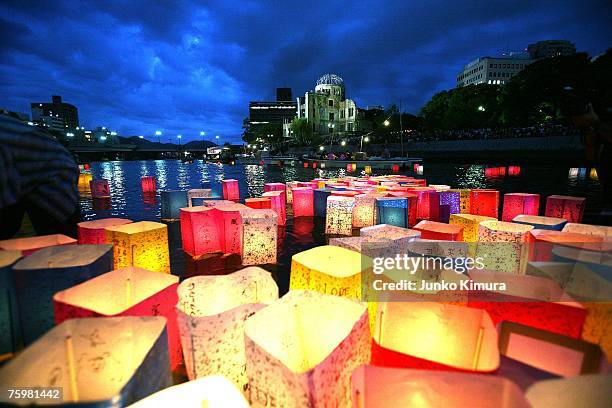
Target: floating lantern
x,y
148,184
432,200
364,211
420,170
392,211
389,232
395,168
258,203
305,165
92,232
143,244
195,196
275,187
39,276
202,230
484,202
322,165
539,222
125,292
598,230
593,174
320,201
303,202
375,387
171,202
502,246
542,242
450,203
212,311
83,183
231,223
339,215
277,201
290,185
230,190
368,169
259,237
99,188
314,165
422,201
289,367
514,170
569,208
27,246
464,199
434,336
591,390
96,362
520,204
470,224
440,187
439,231
213,391
10,340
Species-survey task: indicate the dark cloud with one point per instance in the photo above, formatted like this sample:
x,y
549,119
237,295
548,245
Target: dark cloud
x,y
186,66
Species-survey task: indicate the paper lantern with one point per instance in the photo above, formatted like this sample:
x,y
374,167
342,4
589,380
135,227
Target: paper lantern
x,y
439,231
290,185
39,276
434,336
259,237
345,193
305,165
432,200
213,391
514,170
143,244
591,390
195,196
484,202
83,184
212,311
423,200
258,203
201,230
395,168
392,211
440,187
364,211
303,202
350,167
470,224
27,246
97,362
99,188
148,184
320,201
275,187
389,232
567,207
598,230
321,182
288,366
450,200
502,246
368,169
520,203
230,190
375,387
125,292
539,222
92,232
171,203
542,242
339,216
10,341
277,202
464,199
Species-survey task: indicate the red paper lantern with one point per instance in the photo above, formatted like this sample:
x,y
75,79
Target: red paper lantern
x,y
274,187
212,229
570,208
433,201
395,168
305,165
277,200
148,184
514,170
439,231
231,190
422,200
99,188
314,165
258,203
303,202
520,204
542,242
92,232
484,202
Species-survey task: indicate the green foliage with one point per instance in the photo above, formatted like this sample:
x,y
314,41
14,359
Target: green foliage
x,y
302,132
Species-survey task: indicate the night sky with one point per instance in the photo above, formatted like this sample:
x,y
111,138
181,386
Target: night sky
x,y
186,66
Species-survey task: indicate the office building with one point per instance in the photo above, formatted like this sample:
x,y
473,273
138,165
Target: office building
x,y
283,94
492,70
551,48
55,112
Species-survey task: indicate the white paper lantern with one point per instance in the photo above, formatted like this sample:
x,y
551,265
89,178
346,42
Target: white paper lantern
x,y
502,246
198,194
259,237
339,217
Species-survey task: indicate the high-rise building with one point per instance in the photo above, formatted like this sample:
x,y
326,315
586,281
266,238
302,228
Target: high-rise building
x,y
492,70
54,112
283,95
551,48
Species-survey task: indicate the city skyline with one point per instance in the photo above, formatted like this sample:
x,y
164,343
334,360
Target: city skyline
x,y
187,68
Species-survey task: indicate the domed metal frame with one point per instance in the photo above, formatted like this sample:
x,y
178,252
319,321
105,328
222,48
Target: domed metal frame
x,y
330,79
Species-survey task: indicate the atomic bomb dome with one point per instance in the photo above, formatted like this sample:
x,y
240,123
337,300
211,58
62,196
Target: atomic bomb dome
x,y
330,79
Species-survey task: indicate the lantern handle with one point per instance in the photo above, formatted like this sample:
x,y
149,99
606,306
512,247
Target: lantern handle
x,y
74,392
128,292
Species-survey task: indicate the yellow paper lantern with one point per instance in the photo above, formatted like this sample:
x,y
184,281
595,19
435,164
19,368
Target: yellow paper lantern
x,y
211,314
83,184
289,367
593,390
470,224
502,246
259,236
143,244
464,197
339,216
599,230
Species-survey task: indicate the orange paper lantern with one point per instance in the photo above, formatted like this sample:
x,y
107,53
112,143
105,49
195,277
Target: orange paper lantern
x,y
28,246
439,231
570,208
484,202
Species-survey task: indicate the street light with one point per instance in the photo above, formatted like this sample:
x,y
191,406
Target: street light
x,y
158,133
179,137
481,108
321,148
386,122
343,143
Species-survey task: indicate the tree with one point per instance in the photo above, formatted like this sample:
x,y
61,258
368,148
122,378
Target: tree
x,y
302,132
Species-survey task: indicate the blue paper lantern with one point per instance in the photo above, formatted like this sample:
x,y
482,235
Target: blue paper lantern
x,y
392,211
320,201
39,276
171,202
10,332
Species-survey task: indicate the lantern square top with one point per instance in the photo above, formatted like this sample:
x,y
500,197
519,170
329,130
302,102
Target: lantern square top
x,y
499,231
103,223
540,221
31,244
599,230
441,228
389,231
137,227
332,260
68,256
7,258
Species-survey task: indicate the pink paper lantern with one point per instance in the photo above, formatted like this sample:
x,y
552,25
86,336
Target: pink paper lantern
x,y
303,204
570,208
484,202
275,187
148,184
92,232
99,188
520,204
211,229
231,190
277,201
439,231
422,200
27,246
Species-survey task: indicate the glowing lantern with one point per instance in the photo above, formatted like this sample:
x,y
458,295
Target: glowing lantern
x,y
440,187
277,201
39,276
231,223
345,193
470,224
395,168
125,292
520,204
329,269
148,184
305,165
99,188
171,203
83,183
390,232
275,187
420,170
288,192
542,242
464,199
303,202
514,170
368,169
569,208
230,190
364,211
372,246
502,245
289,367
27,246
450,203
195,196
92,232
539,222
320,201
322,165
375,387
392,211
598,230
258,203
211,314
339,215
432,198
259,237
201,230
590,390
484,202
213,391
97,362
143,244
436,336
439,231
9,317
422,201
